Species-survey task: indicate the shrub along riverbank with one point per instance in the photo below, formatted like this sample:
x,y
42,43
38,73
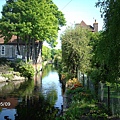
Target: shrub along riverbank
x,y
82,104
11,70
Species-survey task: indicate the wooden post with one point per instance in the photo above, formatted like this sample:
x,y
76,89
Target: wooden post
x,y
109,100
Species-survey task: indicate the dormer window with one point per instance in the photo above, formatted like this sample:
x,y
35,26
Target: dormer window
x,y
2,50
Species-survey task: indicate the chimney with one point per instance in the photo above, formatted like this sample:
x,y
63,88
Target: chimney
x,y
95,25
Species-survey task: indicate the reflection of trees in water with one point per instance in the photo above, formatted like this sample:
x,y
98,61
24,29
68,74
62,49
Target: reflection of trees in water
x,y
10,87
47,69
34,105
25,88
36,108
38,82
51,96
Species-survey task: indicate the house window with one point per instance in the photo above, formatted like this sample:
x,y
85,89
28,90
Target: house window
x,y
2,50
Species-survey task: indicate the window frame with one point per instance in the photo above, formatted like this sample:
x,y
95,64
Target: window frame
x,y
3,50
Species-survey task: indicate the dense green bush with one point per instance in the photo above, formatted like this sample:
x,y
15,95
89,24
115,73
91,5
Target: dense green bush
x,y
25,69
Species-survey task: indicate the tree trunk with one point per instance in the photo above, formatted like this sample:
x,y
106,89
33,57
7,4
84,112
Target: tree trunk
x,y
88,82
28,48
36,54
96,90
18,49
83,80
101,91
40,47
25,54
39,52
33,51
109,111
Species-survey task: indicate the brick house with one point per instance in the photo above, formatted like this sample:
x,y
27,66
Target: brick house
x,y
93,28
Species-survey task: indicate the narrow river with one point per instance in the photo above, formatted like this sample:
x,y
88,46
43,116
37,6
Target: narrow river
x,y
38,99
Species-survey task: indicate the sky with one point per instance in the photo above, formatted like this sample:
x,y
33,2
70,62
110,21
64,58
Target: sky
x,y
75,11
78,10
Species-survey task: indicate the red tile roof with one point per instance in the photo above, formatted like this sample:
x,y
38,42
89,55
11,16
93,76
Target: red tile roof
x,y
84,25
13,40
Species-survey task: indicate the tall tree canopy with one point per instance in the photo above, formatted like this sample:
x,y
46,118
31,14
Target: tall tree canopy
x,y
109,46
76,49
39,18
31,20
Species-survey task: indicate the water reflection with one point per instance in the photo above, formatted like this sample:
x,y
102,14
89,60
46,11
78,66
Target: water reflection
x,y
51,82
35,108
9,113
33,99
8,87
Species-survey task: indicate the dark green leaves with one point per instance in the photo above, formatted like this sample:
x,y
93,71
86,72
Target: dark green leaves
x,y
110,43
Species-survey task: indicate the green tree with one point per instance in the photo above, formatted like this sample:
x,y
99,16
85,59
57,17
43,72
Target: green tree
x,y
110,43
57,58
76,49
109,46
46,53
31,20
95,66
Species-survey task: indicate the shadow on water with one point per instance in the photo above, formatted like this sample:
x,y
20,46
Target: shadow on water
x,y
35,108
38,99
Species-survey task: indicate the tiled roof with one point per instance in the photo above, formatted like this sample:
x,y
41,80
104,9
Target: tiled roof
x,y
84,25
1,40
13,40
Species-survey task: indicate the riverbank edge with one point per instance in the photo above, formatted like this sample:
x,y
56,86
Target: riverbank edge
x,y
66,106
37,68
65,102
15,78
63,82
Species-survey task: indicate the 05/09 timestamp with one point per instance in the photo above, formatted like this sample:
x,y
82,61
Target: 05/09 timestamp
x,y
5,103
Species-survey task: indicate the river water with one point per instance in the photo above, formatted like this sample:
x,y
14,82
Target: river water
x,y
38,99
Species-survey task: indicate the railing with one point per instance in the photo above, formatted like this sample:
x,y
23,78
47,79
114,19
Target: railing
x,y
103,93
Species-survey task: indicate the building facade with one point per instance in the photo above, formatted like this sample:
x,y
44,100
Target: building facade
x,y
9,50
93,28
